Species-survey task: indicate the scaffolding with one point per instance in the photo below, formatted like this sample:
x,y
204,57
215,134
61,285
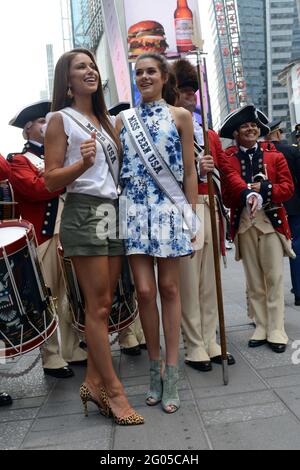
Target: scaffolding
x,y
231,54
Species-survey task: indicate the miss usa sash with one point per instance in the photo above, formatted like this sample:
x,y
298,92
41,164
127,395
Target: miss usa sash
x,y
157,167
109,147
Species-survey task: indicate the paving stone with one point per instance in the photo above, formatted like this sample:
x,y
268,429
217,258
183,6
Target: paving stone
x,y
180,431
9,415
83,445
25,403
63,407
262,357
247,413
279,433
13,434
236,401
291,398
64,430
134,366
34,384
210,384
283,382
281,371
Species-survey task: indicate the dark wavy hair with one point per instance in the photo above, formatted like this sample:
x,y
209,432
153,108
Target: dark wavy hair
x,y
61,99
170,91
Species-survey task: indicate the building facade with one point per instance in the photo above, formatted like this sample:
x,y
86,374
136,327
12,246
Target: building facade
x,y
87,23
239,37
88,31
283,29
269,32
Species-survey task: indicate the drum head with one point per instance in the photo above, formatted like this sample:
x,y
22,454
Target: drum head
x,y
13,235
10,235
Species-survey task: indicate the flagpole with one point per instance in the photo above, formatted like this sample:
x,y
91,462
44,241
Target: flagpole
x,y
212,207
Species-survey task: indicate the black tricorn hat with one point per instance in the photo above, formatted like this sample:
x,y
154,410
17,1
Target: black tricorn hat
x,y
186,74
275,125
118,108
248,113
31,113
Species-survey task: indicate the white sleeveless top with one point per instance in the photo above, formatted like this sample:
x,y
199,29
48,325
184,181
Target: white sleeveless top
x,y
97,180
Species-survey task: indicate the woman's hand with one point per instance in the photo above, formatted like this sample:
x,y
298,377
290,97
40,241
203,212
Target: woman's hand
x,y
88,151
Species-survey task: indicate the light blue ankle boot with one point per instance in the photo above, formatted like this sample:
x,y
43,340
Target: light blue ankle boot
x,y
170,398
155,392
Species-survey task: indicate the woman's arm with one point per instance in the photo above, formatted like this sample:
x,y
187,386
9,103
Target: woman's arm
x,y
184,123
118,124
56,176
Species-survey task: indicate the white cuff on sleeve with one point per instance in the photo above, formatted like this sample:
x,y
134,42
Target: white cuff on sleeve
x,y
258,196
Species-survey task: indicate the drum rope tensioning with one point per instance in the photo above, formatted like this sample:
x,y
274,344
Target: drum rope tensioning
x,y
27,314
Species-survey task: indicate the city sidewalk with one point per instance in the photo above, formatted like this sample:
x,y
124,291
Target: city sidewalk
x,y
259,409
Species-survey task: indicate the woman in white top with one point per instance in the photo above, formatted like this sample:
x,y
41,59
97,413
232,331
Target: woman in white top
x,y
78,162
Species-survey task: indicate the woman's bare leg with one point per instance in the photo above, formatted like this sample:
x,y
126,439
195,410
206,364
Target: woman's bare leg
x,y
168,281
93,275
93,379
144,279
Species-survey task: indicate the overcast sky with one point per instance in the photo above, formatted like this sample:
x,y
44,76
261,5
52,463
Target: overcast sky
x,y
26,27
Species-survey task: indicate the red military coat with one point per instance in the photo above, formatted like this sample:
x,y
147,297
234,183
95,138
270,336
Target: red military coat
x,y
4,169
217,152
35,203
280,186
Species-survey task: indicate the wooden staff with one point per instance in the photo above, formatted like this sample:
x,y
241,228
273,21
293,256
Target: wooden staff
x,y
212,207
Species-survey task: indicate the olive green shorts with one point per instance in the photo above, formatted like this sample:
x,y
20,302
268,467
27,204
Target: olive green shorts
x,y
90,227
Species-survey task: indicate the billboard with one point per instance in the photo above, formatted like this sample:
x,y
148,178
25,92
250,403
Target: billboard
x,y
231,53
117,50
169,27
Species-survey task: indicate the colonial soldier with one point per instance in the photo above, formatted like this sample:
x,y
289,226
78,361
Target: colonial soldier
x,y
258,181
292,155
5,399
198,287
43,210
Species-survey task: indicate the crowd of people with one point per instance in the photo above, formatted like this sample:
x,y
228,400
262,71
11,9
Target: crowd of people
x,y
79,162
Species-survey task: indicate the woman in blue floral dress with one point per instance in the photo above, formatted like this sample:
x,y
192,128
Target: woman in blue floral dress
x,y
153,226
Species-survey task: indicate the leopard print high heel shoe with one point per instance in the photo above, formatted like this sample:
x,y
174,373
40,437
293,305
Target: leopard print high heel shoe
x,y
134,419
102,403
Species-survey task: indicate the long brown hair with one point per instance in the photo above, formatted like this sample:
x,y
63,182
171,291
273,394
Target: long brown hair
x,y
170,91
61,99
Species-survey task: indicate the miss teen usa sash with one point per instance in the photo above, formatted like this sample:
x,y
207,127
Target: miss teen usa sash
x,y
109,147
157,167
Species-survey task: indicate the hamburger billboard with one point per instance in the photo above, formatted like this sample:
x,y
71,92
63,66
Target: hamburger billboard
x,y
169,27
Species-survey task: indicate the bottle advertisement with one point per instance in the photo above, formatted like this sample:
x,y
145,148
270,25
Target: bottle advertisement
x,y
169,27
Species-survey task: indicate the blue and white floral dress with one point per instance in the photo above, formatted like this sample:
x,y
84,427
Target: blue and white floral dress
x,y
151,224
